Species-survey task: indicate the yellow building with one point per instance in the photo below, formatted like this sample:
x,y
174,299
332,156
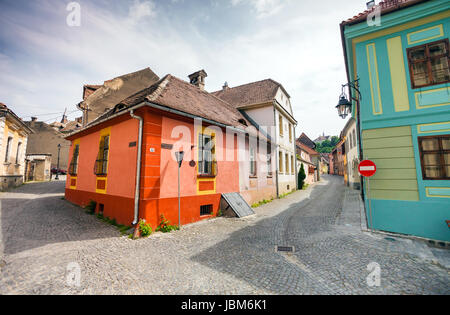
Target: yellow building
x,y
13,143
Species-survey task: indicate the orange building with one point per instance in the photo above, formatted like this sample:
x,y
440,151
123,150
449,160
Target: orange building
x,y
169,116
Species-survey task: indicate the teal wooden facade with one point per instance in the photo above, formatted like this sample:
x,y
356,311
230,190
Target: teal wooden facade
x,y
394,115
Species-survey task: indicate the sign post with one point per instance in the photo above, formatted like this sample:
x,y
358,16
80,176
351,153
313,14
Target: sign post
x,y
367,169
179,156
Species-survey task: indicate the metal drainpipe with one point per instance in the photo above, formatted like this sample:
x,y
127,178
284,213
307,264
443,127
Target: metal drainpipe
x,y
138,168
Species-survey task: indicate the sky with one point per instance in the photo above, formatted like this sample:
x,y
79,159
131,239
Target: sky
x,y
45,61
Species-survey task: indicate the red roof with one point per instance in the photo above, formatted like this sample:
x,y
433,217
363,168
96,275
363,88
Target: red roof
x,y
254,93
386,6
307,149
181,95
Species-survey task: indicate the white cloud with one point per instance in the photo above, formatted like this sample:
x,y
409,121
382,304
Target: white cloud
x,y
263,8
140,10
301,49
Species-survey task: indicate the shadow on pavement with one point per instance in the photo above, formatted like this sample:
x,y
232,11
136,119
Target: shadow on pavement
x,y
328,259
35,215
250,253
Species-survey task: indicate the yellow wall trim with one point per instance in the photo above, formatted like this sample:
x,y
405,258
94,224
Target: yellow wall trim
x,y
438,196
442,100
432,128
441,33
374,80
392,30
398,74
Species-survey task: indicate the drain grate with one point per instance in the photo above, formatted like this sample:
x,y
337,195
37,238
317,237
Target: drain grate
x,y
285,249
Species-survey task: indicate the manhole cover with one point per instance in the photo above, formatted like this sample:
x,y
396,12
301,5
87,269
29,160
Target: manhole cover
x,y
285,249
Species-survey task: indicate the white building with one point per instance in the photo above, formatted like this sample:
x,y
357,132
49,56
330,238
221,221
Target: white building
x,y
13,143
267,104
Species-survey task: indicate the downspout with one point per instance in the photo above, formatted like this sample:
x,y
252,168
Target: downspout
x,y
138,168
295,158
358,104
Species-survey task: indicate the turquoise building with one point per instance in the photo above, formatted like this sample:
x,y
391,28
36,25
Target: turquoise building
x,y
399,51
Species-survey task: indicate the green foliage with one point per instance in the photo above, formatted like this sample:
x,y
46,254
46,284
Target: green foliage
x,y
219,213
327,146
261,203
285,195
92,205
301,177
165,226
145,229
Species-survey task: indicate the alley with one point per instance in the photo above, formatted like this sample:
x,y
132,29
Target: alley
x,y
41,234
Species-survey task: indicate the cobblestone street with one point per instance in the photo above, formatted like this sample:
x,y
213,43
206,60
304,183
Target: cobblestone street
x,y
41,234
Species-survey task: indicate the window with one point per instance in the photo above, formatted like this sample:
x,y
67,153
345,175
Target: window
x,y
8,149
206,210
19,146
429,64
205,155
101,165
280,162
252,162
435,157
73,168
280,118
290,133
287,163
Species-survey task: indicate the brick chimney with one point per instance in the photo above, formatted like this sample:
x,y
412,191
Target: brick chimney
x,y
225,86
198,79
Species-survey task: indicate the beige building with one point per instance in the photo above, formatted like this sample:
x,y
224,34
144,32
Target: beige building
x,y
13,142
45,140
351,159
38,167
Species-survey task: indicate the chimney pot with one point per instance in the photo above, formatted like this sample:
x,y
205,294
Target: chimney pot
x,y
33,118
225,86
198,79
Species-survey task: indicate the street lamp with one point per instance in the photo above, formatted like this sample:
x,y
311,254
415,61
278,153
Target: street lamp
x,y
179,156
344,107
57,167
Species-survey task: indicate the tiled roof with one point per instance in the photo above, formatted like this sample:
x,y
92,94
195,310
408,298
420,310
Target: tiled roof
x,y
71,126
180,95
386,6
250,94
89,89
307,149
115,90
306,141
8,111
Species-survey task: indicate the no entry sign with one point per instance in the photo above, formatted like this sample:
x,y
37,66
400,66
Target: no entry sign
x,y
367,168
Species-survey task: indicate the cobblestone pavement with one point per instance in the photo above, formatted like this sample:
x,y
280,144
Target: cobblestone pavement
x,y
41,234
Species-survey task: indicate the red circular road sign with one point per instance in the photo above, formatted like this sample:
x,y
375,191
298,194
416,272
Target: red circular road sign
x,y
367,168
